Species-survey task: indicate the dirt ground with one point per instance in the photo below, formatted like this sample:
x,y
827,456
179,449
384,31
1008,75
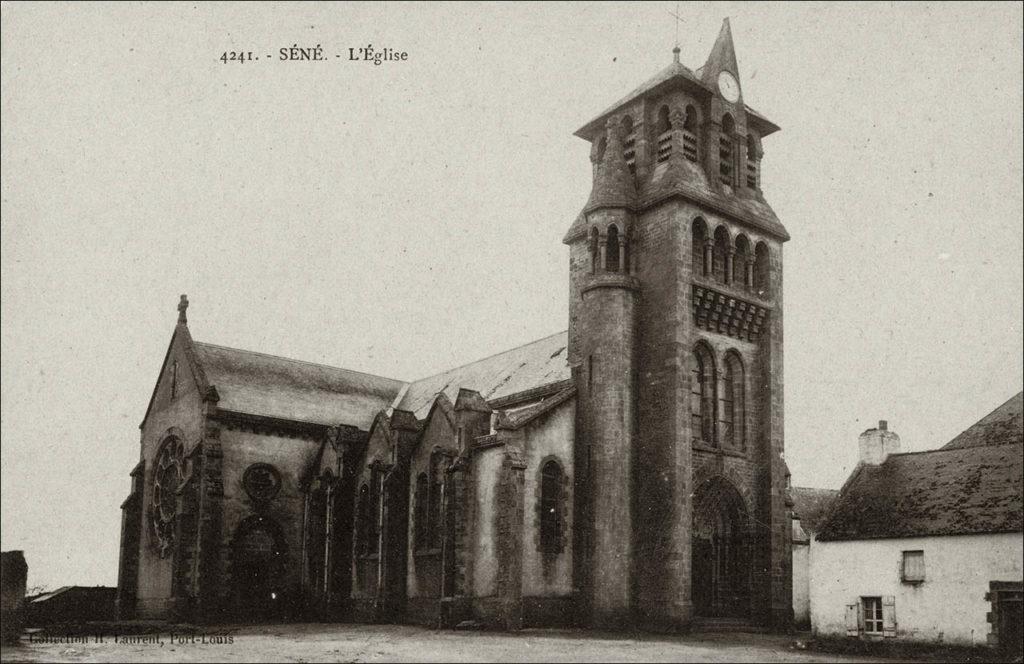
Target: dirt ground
x,y
400,643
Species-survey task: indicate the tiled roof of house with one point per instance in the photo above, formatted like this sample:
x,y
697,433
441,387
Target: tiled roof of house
x,y
957,491
517,370
1002,425
258,384
811,505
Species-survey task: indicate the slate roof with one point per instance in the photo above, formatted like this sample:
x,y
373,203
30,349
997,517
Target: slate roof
x,y
669,73
1002,425
258,384
663,79
517,370
811,505
957,491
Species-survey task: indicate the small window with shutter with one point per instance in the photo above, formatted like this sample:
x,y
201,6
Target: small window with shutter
x,y
913,566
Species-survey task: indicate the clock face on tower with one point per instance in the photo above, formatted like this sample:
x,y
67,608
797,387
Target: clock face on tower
x,y
728,86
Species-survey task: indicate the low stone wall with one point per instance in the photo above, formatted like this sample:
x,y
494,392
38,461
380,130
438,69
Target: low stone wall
x,y
12,596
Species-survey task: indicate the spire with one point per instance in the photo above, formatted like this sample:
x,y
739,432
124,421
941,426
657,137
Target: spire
x,y
182,308
723,56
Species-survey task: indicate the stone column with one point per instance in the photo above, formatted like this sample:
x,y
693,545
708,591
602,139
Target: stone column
x,y
712,130
641,149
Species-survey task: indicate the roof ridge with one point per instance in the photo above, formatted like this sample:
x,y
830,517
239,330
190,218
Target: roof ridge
x,y
291,359
487,357
956,449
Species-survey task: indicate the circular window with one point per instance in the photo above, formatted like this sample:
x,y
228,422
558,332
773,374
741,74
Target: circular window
x,y
168,473
261,481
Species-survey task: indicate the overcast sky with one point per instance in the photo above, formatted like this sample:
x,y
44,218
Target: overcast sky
x,y
404,218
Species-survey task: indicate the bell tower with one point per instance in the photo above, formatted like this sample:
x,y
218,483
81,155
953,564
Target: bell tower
x,y
675,338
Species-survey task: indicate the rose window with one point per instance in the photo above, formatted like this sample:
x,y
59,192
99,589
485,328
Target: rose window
x,y
169,471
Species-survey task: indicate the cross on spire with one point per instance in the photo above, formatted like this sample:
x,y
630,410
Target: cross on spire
x,y
182,308
675,51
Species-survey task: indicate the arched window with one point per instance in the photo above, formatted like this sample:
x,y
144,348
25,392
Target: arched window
x,y
420,512
740,271
316,522
629,143
663,123
438,463
663,134
702,394
595,252
753,157
602,145
551,507
720,255
726,153
376,502
611,258
733,403
363,521
762,270
690,144
697,243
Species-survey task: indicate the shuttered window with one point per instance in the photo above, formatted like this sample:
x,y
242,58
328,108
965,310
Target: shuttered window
x,y
913,566
872,610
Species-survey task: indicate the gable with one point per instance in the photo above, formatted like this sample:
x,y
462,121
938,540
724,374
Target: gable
x,y
1002,425
379,446
811,506
180,374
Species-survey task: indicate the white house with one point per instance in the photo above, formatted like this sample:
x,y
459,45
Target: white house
x,y
810,506
927,545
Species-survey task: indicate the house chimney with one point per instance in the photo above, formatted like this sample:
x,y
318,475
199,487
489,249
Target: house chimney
x,y
877,444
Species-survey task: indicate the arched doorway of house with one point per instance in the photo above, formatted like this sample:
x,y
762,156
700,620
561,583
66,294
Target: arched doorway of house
x,y
720,551
259,570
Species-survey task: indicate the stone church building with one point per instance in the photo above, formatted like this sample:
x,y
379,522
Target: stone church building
x,y
627,471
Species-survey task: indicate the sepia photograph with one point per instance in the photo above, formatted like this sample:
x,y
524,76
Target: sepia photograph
x,y
512,331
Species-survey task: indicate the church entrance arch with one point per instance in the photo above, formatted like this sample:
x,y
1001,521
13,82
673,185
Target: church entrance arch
x,y
259,570
720,551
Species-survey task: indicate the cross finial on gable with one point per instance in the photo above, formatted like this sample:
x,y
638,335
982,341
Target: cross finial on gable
x,y
182,308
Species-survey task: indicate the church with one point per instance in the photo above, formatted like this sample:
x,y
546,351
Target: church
x,y
626,472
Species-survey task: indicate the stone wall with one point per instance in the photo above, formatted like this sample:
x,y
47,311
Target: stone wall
x,y
12,595
182,416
